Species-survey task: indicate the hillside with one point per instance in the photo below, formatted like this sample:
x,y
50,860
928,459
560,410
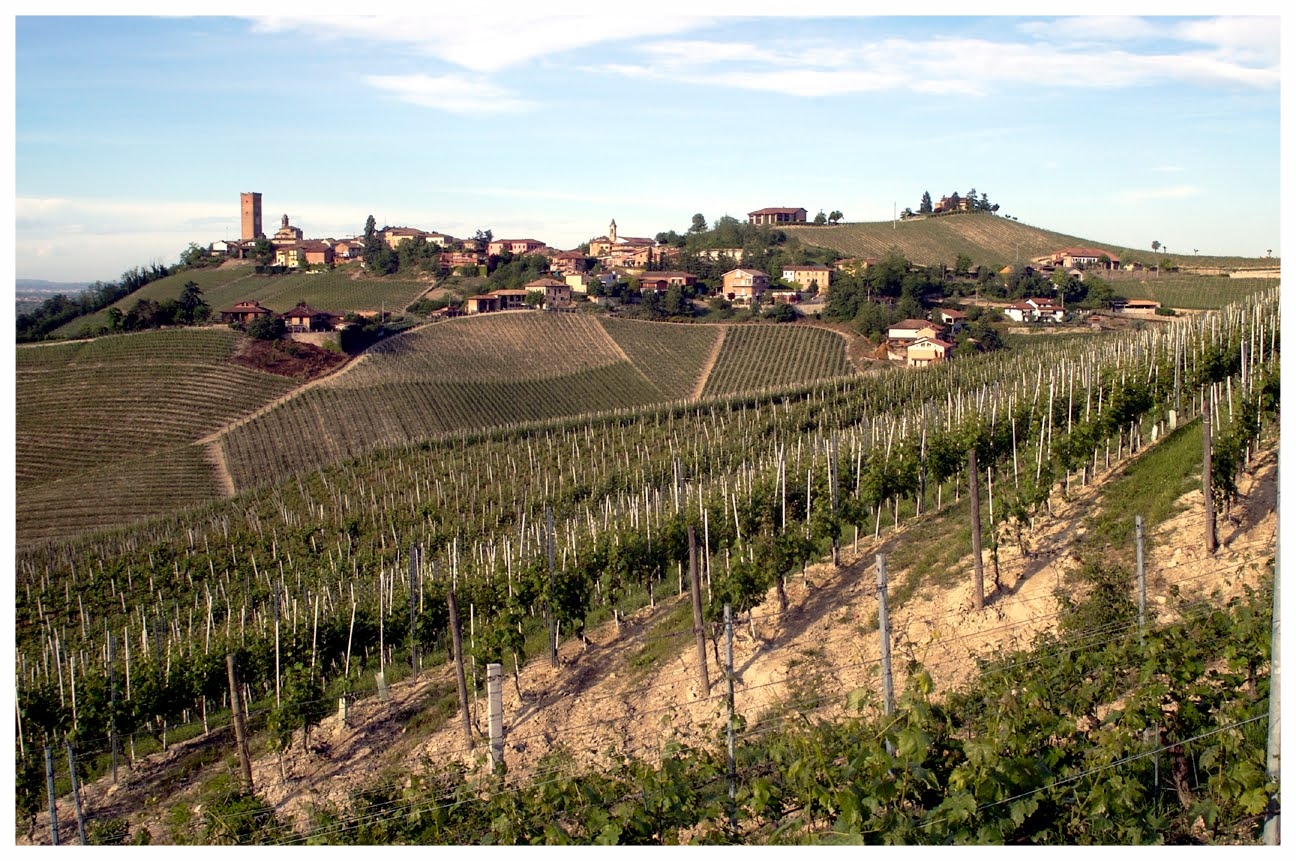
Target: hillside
x,y
634,689
985,238
116,429
338,291
501,370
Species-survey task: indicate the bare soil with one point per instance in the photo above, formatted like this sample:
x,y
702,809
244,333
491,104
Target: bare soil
x,y
597,706
294,359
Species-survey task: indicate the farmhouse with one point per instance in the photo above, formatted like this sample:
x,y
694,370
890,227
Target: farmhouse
x,y
1080,258
952,317
1138,307
777,215
557,294
717,253
911,330
303,318
245,312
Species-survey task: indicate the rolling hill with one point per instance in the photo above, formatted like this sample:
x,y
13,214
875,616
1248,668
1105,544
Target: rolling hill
x,y
985,238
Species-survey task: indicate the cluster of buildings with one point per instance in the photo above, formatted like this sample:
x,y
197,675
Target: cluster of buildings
x,y
914,342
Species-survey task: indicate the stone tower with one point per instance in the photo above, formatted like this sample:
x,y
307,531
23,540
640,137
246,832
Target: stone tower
x,y
251,206
612,232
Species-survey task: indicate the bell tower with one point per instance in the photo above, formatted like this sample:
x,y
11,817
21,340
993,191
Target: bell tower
x,y
612,232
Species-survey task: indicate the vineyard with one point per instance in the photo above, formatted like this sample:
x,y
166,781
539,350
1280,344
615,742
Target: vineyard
x,y
503,370
546,531
90,413
987,239
766,358
1188,292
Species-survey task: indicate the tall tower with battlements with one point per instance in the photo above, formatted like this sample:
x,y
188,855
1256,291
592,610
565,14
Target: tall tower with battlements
x,y
251,206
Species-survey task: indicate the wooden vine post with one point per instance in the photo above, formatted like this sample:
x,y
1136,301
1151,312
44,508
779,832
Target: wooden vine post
x,y
1206,472
696,588
240,724
413,577
456,640
978,573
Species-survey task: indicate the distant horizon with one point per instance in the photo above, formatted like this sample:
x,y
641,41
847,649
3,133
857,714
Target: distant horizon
x,y
1122,129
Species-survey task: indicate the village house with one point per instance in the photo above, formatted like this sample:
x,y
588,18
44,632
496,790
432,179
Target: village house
x,y
808,276
244,312
744,286
927,351
556,293
579,282
395,237
662,281
953,318
514,246
304,318
777,215
1138,307
900,335
348,249
568,263
1080,258
454,259
716,253
1046,309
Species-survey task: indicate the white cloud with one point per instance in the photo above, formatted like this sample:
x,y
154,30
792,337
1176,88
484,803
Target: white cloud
x,y
455,94
1174,192
1077,53
484,42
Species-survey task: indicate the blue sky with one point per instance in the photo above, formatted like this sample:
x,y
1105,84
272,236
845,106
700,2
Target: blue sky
x,y
135,135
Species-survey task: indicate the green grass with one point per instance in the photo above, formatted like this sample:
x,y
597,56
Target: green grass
x,y
1151,486
338,290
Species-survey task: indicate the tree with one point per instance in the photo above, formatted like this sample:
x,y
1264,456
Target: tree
x,y
263,251
1156,246
835,216
267,328
195,256
962,264
373,244
699,224
191,307
926,205
821,219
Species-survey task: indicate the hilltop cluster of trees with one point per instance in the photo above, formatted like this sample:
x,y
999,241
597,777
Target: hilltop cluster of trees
x,y
188,309
975,203
36,325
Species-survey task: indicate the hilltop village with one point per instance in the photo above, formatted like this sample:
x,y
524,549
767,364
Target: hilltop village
x,y
725,268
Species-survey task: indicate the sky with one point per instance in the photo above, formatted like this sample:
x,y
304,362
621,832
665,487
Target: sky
x,y
135,135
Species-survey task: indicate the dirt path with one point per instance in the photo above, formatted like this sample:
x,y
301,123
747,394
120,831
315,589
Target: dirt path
x,y
710,363
212,442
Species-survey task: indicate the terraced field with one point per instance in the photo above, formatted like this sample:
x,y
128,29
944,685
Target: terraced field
x,y
671,355
86,406
766,357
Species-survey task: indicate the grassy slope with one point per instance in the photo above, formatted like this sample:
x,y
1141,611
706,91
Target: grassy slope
x,y
337,291
986,239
